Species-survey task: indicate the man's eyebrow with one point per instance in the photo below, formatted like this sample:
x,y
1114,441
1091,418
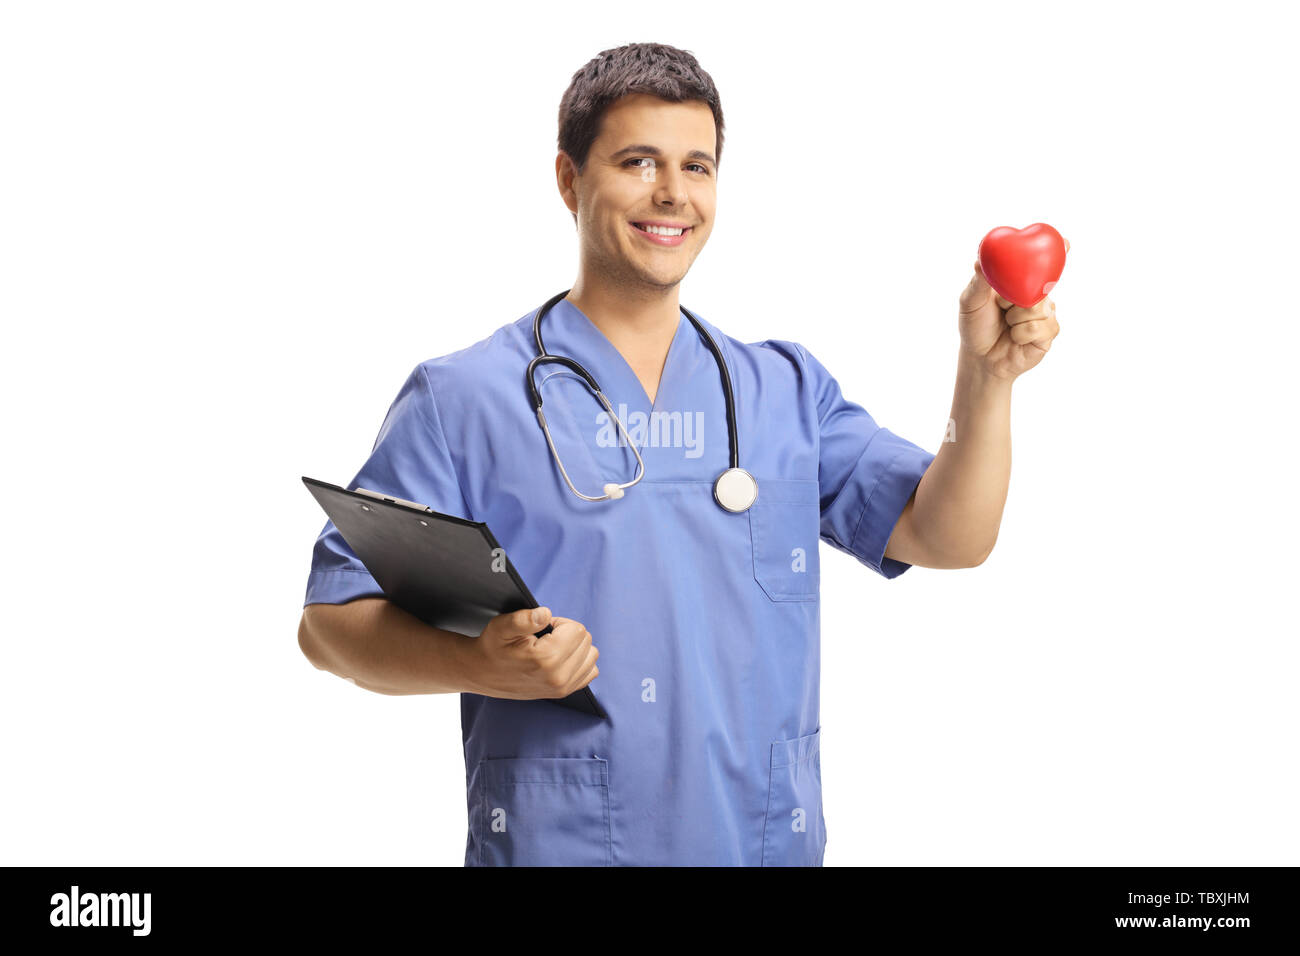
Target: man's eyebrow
x,y
657,152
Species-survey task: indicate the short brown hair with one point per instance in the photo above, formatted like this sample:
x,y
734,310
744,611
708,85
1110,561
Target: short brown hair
x,y
654,68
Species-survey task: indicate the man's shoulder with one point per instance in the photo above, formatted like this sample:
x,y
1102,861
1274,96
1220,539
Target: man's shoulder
x,y
474,364
776,363
770,359
765,351
782,351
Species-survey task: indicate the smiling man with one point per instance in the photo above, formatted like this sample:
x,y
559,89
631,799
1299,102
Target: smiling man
x,y
642,193
694,566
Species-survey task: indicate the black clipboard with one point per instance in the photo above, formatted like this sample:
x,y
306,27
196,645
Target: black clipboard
x,y
436,567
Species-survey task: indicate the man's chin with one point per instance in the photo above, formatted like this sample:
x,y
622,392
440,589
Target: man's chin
x,y
665,283
661,277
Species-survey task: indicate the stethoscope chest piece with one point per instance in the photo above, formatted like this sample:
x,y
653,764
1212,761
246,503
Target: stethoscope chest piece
x,y
735,490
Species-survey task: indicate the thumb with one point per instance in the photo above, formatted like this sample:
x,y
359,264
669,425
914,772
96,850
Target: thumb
x,y
528,621
977,291
980,290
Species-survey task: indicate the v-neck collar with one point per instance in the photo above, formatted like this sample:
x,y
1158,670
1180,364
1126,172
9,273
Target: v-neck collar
x,y
611,370
689,395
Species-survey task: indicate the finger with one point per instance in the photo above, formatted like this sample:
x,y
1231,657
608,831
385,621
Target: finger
x,y
555,641
1037,331
521,622
1040,310
1025,332
1067,245
1045,343
575,640
586,671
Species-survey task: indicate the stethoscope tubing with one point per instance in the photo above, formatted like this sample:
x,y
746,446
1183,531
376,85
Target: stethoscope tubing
x,y
544,356
735,489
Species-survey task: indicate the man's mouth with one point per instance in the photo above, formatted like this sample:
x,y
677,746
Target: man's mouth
x,y
662,235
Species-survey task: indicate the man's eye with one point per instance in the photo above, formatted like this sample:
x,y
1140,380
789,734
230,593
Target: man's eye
x,y
638,159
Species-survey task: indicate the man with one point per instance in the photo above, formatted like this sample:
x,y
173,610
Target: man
x,y
707,616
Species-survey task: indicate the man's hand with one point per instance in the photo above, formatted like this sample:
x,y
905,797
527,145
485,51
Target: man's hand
x,y
1004,339
511,663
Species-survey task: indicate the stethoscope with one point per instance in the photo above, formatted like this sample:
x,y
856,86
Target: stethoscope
x,y
735,489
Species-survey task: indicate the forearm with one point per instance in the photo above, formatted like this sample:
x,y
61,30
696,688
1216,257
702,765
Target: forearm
x,y
959,501
382,648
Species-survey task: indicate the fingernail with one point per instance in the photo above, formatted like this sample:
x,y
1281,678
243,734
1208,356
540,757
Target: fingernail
x,y
538,616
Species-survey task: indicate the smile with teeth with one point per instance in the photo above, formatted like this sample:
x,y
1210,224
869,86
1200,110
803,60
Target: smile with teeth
x,y
659,230
662,235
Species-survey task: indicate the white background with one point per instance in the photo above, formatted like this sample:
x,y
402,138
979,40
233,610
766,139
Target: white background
x,y
229,231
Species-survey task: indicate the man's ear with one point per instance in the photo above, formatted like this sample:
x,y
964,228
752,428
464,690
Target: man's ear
x,y
565,172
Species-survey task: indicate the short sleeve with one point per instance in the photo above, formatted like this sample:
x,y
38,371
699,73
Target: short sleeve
x,y
866,474
409,460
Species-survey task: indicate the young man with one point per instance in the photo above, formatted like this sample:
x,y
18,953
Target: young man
x,y
706,611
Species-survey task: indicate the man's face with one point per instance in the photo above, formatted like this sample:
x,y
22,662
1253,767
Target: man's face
x,y
653,161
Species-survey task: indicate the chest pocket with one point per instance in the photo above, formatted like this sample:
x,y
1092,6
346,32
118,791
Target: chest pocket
x,y
541,811
784,527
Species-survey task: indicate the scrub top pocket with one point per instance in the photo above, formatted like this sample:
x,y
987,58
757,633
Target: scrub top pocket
x,y
541,811
794,833
784,527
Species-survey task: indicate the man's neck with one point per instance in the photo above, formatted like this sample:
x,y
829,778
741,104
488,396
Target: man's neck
x,y
640,328
622,313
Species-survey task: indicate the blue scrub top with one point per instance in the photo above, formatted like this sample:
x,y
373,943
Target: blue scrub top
x,y
708,622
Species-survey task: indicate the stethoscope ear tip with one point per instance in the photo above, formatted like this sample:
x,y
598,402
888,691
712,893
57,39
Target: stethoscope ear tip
x,y
613,491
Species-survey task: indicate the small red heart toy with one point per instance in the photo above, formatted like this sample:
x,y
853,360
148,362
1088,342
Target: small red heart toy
x,y
1023,265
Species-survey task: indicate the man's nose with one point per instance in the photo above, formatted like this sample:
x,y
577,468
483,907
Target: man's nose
x,y
670,185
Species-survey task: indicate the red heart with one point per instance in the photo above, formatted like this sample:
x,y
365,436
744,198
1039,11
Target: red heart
x,y
1023,265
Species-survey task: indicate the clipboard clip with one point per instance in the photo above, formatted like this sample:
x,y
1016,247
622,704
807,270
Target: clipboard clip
x,y
397,501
